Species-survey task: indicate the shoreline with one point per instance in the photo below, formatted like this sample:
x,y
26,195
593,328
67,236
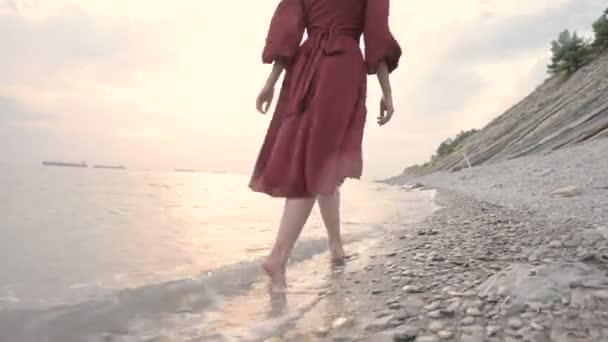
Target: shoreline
x,y
472,271
518,251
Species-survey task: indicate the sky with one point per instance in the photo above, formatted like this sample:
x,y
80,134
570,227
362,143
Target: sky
x,y
157,84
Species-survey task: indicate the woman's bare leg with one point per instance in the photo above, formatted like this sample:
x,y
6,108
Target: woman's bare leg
x,y
295,214
330,212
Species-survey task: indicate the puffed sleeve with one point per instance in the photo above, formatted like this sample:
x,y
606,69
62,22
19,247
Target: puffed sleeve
x,y
285,33
380,45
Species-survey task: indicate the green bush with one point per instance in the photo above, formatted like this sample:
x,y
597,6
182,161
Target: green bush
x,y
600,28
449,145
570,52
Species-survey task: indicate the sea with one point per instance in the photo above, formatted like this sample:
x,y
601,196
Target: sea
x,y
123,255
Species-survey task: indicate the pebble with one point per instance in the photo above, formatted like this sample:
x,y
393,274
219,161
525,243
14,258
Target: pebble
x,y
493,330
556,244
567,191
434,314
435,326
340,322
445,334
455,306
468,320
321,332
412,289
433,306
379,324
515,323
473,312
537,326
406,334
395,306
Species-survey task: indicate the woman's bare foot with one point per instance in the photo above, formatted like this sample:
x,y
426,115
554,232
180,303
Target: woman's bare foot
x,y
337,254
276,273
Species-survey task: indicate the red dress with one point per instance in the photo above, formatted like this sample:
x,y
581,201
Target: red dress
x,y
314,139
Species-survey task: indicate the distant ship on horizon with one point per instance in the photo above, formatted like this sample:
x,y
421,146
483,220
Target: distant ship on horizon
x,y
82,164
113,167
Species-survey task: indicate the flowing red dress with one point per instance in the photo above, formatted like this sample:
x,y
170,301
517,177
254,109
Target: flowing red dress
x,y
314,139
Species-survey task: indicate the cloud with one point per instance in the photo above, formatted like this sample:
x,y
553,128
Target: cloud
x,y
38,50
445,87
490,36
11,112
17,5
462,73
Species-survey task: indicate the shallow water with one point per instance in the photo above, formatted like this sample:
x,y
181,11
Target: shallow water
x,y
110,255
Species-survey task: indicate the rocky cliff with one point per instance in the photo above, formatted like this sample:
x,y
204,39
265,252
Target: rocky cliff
x,y
563,111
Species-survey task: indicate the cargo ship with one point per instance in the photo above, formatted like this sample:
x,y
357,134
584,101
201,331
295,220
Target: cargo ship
x,y
63,164
112,167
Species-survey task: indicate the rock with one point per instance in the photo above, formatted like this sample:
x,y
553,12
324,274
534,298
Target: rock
x,y
474,312
433,306
537,326
340,322
435,326
473,334
322,332
412,289
556,244
568,191
445,334
455,306
574,242
472,338
427,338
493,330
552,281
417,186
434,314
468,321
395,306
447,312
383,314
515,323
379,324
406,334
601,294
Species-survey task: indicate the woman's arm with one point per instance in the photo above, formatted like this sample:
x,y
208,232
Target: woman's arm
x,y
277,69
265,97
384,78
386,104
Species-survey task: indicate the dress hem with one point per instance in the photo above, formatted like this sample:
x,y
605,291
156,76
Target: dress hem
x,y
288,195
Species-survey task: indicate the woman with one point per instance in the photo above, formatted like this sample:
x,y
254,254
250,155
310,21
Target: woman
x,y
314,140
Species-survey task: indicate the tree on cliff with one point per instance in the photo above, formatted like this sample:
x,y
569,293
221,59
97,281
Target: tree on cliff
x,y
570,52
600,27
449,145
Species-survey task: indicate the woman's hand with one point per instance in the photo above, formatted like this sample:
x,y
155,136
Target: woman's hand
x,y
264,99
386,109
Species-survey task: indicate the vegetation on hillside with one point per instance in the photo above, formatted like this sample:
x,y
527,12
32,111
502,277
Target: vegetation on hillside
x,y
449,145
571,52
600,28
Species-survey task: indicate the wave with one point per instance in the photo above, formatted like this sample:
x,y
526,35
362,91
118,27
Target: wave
x,y
115,311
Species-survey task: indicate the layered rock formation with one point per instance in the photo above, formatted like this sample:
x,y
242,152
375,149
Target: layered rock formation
x,y
563,111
